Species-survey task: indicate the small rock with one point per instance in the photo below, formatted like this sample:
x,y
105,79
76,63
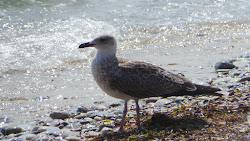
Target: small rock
x,y
82,110
59,115
73,138
53,131
98,107
151,100
12,130
243,131
28,136
243,74
162,102
114,105
221,80
247,54
97,118
224,65
99,102
66,133
93,134
2,130
41,129
203,98
92,114
117,112
245,78
101,127
179,99
87,120
81,116
41,137
35,129
105,130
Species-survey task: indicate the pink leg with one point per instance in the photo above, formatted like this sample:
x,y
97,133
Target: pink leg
x,y
124,116
138,114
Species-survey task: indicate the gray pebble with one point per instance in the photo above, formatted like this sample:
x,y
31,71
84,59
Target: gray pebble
x,y
151,100
220,81
162,102
92,114
27,136
66,133
224,65
87,120
81,116
245,78
179,99
82,110
98,107
97,118
73,138
105,130
115,105
59,115
12,130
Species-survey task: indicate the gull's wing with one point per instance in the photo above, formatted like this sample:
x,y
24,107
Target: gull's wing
x,y
141,80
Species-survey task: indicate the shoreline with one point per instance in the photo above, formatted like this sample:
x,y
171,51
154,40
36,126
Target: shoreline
x,y
101,120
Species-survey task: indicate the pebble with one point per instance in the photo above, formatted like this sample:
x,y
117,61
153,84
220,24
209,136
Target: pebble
x,y
81,116
162,102
105,130
98,107
93,134
97,118
179,99
245,78
59,115
82,110
12,130
73,138
114,105
66,133
224,65
221,81
151,100
27,136
87,120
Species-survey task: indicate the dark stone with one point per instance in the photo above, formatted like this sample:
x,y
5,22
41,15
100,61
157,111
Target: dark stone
x,y
225,65
59,115
2,130
12,130
82,110
114,105
245,78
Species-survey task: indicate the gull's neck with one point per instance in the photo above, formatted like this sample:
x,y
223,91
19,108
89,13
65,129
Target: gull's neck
x,y
105,56
105,53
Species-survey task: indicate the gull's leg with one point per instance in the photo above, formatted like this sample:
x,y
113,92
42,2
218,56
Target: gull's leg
x,y
124,116
138,114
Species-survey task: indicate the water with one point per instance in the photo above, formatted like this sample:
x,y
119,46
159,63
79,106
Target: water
x,y
42,70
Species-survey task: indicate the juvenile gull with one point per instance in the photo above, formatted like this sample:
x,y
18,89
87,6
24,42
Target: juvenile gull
x,y
125,79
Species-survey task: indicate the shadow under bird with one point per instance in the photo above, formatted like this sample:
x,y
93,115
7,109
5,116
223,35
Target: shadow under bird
x,y
125,79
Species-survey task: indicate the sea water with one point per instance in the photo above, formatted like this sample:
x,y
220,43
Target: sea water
x,y
42,69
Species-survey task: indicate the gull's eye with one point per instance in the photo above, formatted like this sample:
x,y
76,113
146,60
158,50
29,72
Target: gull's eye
x,y
102,39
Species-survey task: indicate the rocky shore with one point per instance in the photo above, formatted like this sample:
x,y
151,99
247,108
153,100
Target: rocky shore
x,y
173,118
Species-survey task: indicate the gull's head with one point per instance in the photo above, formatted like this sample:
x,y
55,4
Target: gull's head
x,y
102,43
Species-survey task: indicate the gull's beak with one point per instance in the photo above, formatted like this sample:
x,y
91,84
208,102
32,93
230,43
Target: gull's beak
x,y
88,44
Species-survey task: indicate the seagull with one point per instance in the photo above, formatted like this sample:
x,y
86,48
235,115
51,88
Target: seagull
x,y
125,79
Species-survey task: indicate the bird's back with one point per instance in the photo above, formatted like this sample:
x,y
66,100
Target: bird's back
x,y
141,80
